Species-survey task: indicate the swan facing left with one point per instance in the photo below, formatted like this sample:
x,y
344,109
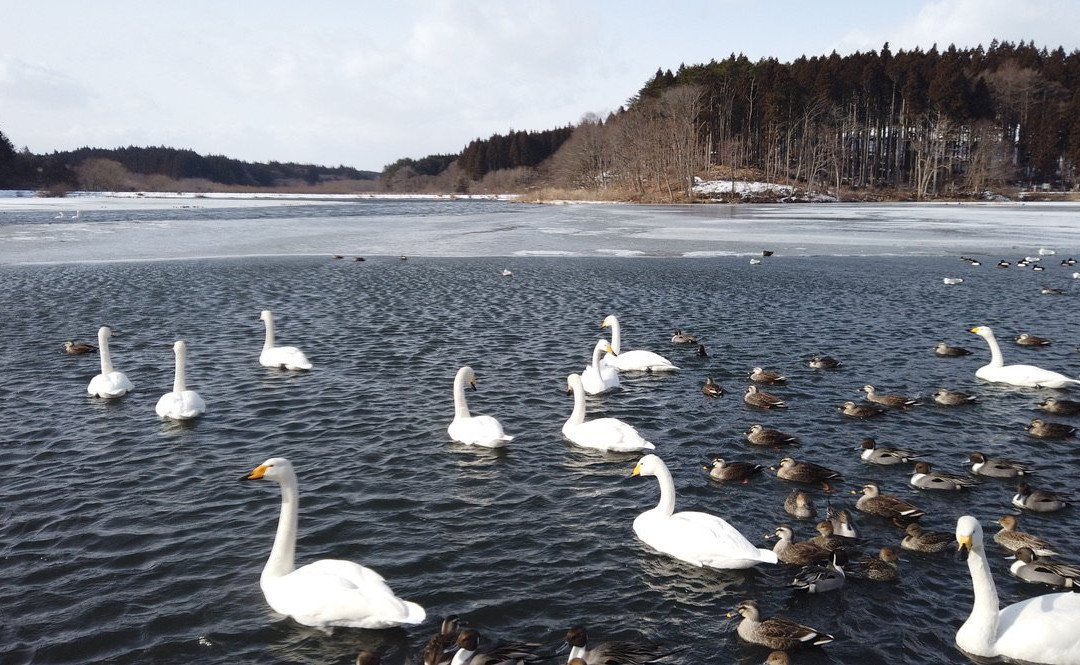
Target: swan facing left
x,y
1028,376
327,592
284,357
181,403
473,430
111,383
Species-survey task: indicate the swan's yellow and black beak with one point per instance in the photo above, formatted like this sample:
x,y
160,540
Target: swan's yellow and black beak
x,y
636,471
611,350
963,547
259,472
472,384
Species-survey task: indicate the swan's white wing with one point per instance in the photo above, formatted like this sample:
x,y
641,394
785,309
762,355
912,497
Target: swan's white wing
x,y
113,384
478,431
607,434
288,357
598,381
1044,629
1028,376
180,406
640,361
701,539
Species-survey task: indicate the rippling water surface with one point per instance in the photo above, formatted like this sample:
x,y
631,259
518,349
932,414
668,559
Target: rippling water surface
x,y
126,539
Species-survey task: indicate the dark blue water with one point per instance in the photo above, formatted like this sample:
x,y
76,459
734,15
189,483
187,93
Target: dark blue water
x,y
125,539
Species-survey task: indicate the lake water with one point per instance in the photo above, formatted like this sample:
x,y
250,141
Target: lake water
x,y
125,539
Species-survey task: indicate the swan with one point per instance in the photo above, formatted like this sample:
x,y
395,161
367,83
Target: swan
x,y
327,592
633,361
699,538
287,357
110,383
600,377
181,403
1016,375
1044,629
472,430
610,434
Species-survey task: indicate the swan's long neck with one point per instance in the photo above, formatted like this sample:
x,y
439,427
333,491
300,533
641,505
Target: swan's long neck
x,y
995,351
269,343
103,351
179,384
980,629
616,337
667,491
461,409
597,355
577,416
283,553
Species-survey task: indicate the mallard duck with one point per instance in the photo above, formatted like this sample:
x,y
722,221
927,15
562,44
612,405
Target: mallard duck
x,y
1030,568
885,505
1047,430
843,523
805,472
918,540
998,467
826,539
775,632
799,504
824,362
611,652
1025,339
712,388
946,397
682,338
875,454
821,579
765,436
769,377
1059,406
1039,501
927,479
739,471
945,351
883,568
801,553
862,411
891,401
78,348
1012,540
762,400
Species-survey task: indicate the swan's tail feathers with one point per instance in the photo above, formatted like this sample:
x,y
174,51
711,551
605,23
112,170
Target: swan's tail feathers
x,y
416,614
768,556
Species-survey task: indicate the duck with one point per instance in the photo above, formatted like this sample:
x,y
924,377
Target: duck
x,y
712,388
1030,568
918,540
760,375
927,479
760,435
1025,339
506,272
884,456
366,657
282,357
683,338
755,262
78,348
824,362
762,400
892,401
1039,501
890,507
885,567
1068,262
328,592
822,579
778,658
1042,429
599,377
181,403
826,537
608,434
1051,291
805,472
946,397
945,351
701,352
1016,375
1012,540
952,281
111,383
636,360
1044,629
437,644
512,653
697,538
843,523
775,632
998,467
1003,264
1059,406
620,652
738,471
799,504
861,411
482,431
801,553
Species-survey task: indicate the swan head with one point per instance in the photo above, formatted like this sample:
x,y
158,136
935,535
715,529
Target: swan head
x,y
104,332
648,466
265,315
274,468
610,321
573,383
603,346
981,331
468,377
179,347
968,536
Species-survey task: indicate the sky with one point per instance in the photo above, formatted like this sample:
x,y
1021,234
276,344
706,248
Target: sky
x,y
363,84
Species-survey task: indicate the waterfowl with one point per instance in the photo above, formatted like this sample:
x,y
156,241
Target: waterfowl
x,y
438,643
766,436
712,388
336,256
822,579
636,360
328,592
1024,339
620,652
925,478
698,538
1047,430
884,456
885,505
1017,375
1039,501
824,362
802,553
1030,568
599,377
1003,264
1044,629
863,411
775,632
945,351
778,658
78,348
766,252
359,258
952,281
946,397
998,467
506,272
470,653
1068,262
1012,540
181,403
484,431
682,338
755,262
111,383
766,376
738,471
885,567
609,434
918,540
799,504
284,357
1060,407
701,352
1044,251
843,523
762,400
827,539
1051,291
892,401
805,472
366,657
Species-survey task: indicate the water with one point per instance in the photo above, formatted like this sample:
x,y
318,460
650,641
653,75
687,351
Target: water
x,y
125,539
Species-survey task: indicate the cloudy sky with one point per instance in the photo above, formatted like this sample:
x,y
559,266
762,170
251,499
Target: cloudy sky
x,y
363,83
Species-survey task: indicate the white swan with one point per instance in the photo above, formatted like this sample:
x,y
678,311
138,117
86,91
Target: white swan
x,y
1044,629
633,361
287,357
328,592
600,377
1017,375
181,403
698,538
473,430
110,383
609,434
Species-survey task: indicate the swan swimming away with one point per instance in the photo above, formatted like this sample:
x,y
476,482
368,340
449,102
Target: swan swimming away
x,y
610,434
1044,629
1016,375
600,377
698,538
633,361
181,403
327,592
473,430
287,357
110,383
